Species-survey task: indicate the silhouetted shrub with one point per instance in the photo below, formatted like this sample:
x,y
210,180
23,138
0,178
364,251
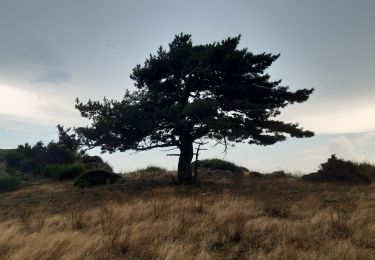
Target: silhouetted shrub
x,y
63,171
30,165
8,184
95,177
33,159
367,170
338,170
210,165
87,159
55,159
14,158
153,169
255,174
277,174
95,163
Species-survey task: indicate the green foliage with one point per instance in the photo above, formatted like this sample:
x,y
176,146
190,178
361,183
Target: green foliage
x,y
338,170
367,170
191,92
63,171
217,164
213,90
68,140
95,177
95,163
14,158
9,183
33,159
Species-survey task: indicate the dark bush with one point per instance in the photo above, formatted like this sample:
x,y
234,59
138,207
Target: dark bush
x,y
217,164
30,165
256,174
338,170
95,163
8,184
96,177
58,154
153,169
33,159
63,171
277,174
87,159
14,158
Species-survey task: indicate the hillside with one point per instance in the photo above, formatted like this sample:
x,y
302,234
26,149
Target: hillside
x,y
144,216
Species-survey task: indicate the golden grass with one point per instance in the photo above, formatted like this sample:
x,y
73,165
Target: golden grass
x,y
150,219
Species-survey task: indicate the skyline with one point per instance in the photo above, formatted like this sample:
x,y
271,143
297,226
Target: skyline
x,y
53,52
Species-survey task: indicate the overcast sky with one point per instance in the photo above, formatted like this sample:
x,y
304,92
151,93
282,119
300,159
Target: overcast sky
x,y
54,51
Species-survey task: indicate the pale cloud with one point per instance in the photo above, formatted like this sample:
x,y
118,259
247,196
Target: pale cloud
x,y
334,117
345,148
19,105
365,139
342,146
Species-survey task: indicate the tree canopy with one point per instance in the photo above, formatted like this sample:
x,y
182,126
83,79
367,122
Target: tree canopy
x,y
192,92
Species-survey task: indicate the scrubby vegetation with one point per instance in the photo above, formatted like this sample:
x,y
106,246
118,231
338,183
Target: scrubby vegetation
x,y
338,170
95,177
61,160
34,159
63,171
153,169
143,215
218,218
215,165
9,183
95,162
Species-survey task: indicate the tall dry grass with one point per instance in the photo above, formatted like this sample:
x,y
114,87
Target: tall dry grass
x,y
253,219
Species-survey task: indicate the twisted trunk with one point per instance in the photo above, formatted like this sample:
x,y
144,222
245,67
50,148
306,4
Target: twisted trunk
x,y
184,173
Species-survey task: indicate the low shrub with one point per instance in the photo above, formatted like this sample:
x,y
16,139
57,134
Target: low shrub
x,y
277,174
338,170
95,177
14,158
367,170
87,159
9,183
153,169
217,164
63,171
33,159
95,163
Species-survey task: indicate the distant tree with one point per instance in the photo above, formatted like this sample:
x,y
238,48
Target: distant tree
x,y
191,92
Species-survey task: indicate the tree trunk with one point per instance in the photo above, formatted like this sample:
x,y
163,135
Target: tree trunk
x,y
184,173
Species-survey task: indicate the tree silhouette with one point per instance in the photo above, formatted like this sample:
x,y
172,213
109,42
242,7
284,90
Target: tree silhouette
x,y
192,92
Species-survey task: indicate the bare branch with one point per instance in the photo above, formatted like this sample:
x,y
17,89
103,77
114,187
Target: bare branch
x,y
225,146
173,154
154,146
171,149
195,176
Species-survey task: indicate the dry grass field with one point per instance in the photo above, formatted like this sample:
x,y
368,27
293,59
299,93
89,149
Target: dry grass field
x,y
146,217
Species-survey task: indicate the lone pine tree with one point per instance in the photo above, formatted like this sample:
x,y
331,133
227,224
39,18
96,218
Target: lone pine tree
x,y
190,92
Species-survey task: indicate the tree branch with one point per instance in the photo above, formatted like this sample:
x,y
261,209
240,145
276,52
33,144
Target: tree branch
x,y
154,146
